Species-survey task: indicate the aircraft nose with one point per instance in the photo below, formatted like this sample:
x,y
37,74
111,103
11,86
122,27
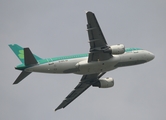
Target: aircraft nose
x,y
151,56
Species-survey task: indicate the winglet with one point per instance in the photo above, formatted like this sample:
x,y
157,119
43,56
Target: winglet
x,y
59,107
86,11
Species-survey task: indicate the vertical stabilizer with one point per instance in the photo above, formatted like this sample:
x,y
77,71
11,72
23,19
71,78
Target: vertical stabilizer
x,y
19,52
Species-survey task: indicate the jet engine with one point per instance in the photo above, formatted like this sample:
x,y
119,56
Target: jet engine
x,y
104,83
116,49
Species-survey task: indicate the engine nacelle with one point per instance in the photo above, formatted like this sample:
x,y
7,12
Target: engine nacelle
x,y
104,83
116,49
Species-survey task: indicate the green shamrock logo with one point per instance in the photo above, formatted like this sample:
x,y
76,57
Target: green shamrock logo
x,y
21,54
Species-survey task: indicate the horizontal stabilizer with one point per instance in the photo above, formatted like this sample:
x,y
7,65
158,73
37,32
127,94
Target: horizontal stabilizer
x,y
29,58
22,75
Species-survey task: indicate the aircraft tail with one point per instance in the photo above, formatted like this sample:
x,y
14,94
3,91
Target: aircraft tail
x,y
19,51
26,57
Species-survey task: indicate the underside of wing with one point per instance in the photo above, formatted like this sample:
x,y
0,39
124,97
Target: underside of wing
x,y
80,88
85,83
96,40
96,37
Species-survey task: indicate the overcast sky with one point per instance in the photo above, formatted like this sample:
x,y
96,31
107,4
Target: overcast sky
x,y
55,28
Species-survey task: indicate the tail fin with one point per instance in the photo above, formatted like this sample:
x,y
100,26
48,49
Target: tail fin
x,y
26,57
19,51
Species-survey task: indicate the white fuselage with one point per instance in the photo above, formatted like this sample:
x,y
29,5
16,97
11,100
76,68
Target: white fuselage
x,y
81,65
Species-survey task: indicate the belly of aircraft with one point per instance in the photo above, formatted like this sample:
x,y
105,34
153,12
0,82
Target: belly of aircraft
x,y
97,66
80,66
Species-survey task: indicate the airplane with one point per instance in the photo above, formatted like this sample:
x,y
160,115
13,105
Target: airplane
x,y
92,66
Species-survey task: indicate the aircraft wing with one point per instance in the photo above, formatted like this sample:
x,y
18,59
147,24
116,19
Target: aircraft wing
x,y
96,39
85,83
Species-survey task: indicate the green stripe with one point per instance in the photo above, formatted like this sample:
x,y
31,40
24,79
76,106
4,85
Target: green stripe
x,y
132,49
77,56
62,58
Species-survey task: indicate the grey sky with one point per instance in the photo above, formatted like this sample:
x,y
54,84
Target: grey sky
x,y
53,28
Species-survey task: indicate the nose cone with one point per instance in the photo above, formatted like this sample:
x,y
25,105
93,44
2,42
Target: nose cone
x,y
150,56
